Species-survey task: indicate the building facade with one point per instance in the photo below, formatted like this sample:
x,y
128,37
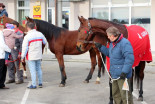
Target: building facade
x,y
128,12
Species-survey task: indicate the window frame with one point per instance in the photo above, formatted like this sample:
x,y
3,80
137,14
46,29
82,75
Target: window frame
x,y
110,5
21,8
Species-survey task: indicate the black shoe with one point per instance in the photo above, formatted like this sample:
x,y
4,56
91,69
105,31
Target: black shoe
x,y
19,82
4,87
40,85
10,81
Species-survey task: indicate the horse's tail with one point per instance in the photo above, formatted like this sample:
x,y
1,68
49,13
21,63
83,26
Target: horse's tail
x,y
136,75
104,61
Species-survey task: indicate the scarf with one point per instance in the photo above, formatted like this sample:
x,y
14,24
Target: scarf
x,y
117,40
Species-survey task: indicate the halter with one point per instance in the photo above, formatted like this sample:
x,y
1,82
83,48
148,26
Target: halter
x,y
88,31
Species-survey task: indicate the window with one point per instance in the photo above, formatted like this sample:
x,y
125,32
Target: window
x,y
141,1
141,16
23,3
65,19
101,13
119,1
123,11
51,11
100,2
120,15
23,10
51,3
49,15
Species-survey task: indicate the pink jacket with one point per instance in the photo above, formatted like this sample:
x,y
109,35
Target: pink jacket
x,y
10,36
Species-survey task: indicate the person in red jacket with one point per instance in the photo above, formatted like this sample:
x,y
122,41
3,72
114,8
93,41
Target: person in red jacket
x,y
10,36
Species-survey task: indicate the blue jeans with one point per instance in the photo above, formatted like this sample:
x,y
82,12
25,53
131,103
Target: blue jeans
x,y
7,55
35,66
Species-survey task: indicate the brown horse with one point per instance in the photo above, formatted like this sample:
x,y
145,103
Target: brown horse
x,y
88,30
63,42
5,20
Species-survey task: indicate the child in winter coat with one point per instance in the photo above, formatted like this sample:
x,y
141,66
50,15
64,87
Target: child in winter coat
x,y
10,36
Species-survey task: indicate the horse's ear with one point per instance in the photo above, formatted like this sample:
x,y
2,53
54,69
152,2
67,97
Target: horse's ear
x,y
29,19
81,19
26,17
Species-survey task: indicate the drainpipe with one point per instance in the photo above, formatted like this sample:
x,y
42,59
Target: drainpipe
x,y
58,13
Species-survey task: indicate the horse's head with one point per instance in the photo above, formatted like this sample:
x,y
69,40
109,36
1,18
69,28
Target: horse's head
x,y
85,34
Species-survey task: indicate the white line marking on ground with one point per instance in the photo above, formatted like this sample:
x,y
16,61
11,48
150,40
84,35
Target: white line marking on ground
x,y
136,96
26,95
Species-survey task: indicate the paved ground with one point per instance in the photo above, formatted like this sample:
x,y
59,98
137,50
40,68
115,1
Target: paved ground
x,y
75,92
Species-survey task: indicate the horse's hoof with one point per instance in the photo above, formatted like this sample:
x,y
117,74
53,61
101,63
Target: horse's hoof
x,y
97,82
25,77
62,85
85,81
110,102
140,99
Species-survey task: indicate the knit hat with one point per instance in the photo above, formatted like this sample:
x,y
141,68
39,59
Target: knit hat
x,y
9,26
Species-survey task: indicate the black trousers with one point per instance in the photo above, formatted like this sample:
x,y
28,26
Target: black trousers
x,y
3,70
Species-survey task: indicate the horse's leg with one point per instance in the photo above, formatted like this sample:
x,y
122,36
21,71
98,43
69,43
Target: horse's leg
x,y
24,66
110,98
132,80
93,64
60,59
100,66
141,76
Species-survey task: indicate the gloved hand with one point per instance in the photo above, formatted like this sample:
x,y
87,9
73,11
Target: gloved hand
x,y
122,76
98,45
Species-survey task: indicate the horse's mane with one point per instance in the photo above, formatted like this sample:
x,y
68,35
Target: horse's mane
x,y
107,21
49,30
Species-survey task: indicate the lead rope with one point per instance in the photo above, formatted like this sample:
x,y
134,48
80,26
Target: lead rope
x,y
111,79
127,96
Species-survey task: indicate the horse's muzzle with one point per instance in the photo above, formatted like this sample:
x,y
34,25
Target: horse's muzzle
x,y
78,48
